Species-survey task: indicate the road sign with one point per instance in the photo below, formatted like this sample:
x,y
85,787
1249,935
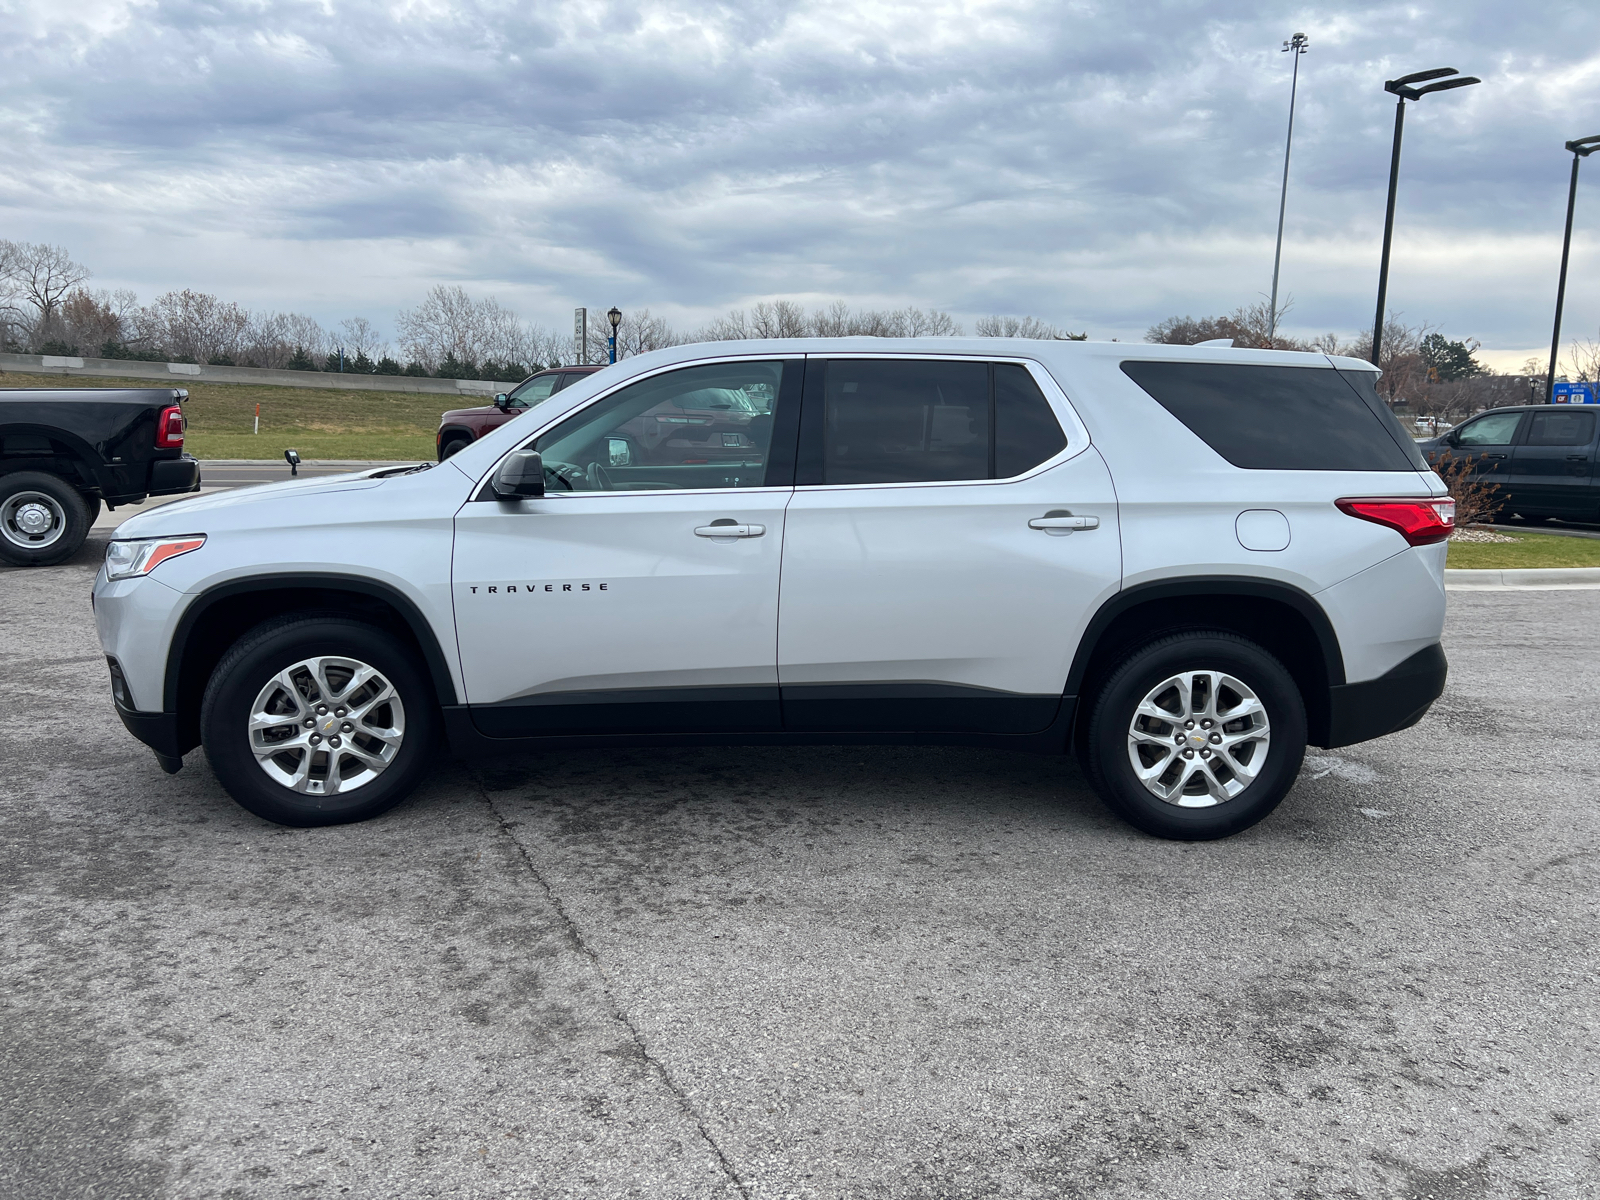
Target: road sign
x,y
1573,393
580,336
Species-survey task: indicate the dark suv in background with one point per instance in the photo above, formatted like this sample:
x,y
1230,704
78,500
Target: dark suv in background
x,y
1542,457
462,426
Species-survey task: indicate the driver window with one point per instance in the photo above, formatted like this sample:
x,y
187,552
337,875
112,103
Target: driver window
x,y
707,426
535,391
1496,429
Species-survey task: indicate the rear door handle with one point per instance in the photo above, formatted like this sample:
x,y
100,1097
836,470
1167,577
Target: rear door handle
x,y
729,531
1577,458
1494,456
1061,524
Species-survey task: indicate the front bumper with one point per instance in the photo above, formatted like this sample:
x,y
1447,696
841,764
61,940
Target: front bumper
x,y
1396,700
159,731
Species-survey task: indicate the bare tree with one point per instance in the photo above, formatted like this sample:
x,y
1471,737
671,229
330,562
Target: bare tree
x,y
786,319
198,326
274,338
92,321
13,318
1023,327
360,336
637,333
1584,358
45,274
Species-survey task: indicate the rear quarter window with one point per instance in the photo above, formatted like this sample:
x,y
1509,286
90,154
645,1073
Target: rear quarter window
x,y
1271,418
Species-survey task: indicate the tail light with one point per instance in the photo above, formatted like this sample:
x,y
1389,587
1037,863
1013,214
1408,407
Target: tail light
x,y
1420,521
169,428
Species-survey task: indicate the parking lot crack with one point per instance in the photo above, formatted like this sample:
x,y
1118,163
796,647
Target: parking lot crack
x,y
616,1011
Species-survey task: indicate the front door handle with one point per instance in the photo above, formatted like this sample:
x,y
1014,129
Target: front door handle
x,y
730,530
1059,524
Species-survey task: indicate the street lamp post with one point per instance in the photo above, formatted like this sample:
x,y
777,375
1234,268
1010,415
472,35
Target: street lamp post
x,y
1296,45
1581,149
1402,88
615,317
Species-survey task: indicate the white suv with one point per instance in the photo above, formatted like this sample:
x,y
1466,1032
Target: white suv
x,y
1182,564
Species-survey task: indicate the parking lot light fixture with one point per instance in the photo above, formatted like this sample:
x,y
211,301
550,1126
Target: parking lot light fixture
x,y
1581,149
615,317
1296,45
1404,89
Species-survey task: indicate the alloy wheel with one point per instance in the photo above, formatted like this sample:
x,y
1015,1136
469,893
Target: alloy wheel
x,y
326,725
1198,739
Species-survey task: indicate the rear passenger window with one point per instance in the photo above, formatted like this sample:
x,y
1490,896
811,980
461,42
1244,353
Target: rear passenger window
x,y
1560,429
1026,432
1271,418
905,421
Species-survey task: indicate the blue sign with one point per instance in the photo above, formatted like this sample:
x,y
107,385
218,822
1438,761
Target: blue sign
x,y
1573,393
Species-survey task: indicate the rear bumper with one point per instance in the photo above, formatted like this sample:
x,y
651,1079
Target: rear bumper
x,y
1396,700
173,476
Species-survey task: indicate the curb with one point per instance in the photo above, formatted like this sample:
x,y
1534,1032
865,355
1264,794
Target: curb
x,y
1547,578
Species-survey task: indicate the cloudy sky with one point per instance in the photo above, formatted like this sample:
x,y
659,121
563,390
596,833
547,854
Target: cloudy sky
x,y
1100,165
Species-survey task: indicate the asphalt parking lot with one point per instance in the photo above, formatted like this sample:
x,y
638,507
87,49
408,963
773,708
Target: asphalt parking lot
x,y
814,972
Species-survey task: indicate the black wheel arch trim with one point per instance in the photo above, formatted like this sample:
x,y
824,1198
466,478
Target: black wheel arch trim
x,y
1209,585
432,653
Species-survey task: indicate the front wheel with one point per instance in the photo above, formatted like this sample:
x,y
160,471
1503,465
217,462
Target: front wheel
x,y
1196,736
314,720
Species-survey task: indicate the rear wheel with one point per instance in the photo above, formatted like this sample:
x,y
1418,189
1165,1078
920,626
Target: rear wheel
x,y
318,721
43,519
1196,736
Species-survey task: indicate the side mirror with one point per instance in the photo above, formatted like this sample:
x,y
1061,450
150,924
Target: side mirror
x,y
1452,438
501,400
619,452
520,477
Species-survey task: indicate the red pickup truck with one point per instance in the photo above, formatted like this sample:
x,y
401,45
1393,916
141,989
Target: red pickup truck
x,y
461,426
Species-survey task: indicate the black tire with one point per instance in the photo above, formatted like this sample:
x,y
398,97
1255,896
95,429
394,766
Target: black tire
x,y
70,520
278,645
1115,708
453,446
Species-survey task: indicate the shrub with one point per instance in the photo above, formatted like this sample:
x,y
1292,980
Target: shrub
x,y
301,361
220,360
386,366
1477,500
415,368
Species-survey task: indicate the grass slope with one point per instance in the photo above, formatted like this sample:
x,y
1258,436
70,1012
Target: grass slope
x,y
1529,550
320,423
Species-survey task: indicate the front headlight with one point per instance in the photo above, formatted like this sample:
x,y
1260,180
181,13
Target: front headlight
x,y
125,560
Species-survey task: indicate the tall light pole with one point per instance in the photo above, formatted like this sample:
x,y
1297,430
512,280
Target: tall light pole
x,y
1402,88
615,317
1581,149
1296,46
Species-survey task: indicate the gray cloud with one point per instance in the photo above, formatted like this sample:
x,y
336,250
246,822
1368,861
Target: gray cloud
x,y
1098,165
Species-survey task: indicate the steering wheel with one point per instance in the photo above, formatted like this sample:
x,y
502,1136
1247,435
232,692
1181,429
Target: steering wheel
x,y
568,475
599,480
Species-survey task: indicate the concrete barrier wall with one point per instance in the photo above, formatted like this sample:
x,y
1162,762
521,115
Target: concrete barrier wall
x,y
178,374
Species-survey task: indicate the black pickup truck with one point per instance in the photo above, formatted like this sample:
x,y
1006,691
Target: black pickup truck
x,y
65,451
